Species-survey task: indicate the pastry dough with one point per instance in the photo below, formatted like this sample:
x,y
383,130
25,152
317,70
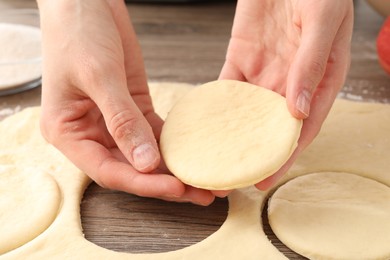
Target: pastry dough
x,y
333,215
228,134
354,139
29,202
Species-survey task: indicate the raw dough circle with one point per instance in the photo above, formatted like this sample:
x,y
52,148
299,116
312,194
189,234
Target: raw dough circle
x,y
20,54
29,202
228,134
333,215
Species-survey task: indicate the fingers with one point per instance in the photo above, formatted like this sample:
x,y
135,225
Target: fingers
x,y
106,75
229,71
124,111
221,193
95,69
311,59
334,75
123,116
321,104
124,120
306,72
194,195
325,94
131,132
109,172
133,62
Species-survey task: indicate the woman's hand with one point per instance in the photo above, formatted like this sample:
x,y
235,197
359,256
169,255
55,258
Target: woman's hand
x,y
298,48
96,108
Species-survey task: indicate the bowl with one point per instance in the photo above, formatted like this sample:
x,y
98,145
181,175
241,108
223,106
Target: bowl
x,y
20,50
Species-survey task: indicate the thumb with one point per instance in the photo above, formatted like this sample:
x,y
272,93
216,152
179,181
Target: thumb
x,y
127,125
304,76
309,65
133,134
125,121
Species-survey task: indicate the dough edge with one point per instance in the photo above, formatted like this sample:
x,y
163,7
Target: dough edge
x,y
71,244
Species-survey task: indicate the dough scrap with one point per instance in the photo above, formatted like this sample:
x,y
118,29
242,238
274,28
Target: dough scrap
x,y
354,139
333,215
165,94
20,54
228,134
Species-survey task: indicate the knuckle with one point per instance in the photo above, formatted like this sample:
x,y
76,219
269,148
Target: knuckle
x,y
315,73
124,124
57,127
317,68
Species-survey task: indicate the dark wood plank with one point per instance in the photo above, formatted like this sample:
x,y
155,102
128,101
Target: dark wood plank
x,y
183,43
124,222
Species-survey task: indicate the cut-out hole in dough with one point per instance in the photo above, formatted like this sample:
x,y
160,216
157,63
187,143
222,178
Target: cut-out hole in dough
x,y
333,215
127,223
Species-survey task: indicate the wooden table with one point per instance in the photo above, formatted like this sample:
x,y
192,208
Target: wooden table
x,y
187,43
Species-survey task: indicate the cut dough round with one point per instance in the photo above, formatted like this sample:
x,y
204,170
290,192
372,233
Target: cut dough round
x,y
333,215
20,54
228,134
29,202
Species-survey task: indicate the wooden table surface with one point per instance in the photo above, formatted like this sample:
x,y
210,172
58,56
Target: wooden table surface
x,y
187,43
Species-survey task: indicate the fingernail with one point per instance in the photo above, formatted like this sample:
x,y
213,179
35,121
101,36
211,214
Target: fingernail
x,y
303,102
144,157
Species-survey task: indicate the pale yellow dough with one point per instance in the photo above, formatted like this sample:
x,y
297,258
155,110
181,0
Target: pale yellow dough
x,y
354,139
228,134
333,215
38,202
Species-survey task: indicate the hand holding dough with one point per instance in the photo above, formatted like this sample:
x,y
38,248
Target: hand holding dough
x,y
228,134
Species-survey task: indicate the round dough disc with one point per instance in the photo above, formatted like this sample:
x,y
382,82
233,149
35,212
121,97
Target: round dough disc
x,y
228,134
333,215
29,203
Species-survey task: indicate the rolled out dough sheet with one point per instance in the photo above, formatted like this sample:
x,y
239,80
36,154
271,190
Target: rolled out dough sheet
x,y
354,139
